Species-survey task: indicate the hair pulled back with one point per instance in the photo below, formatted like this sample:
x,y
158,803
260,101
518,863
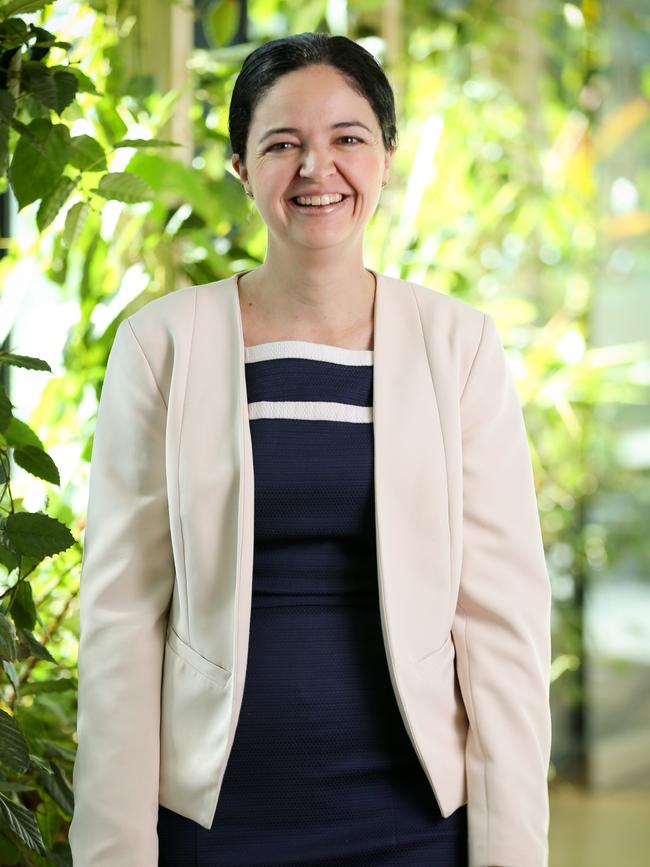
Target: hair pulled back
x,y
267,63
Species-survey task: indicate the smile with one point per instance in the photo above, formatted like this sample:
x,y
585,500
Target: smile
x,y
318,210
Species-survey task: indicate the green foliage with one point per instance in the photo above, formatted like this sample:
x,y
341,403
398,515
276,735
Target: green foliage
x,y
42,159
26,539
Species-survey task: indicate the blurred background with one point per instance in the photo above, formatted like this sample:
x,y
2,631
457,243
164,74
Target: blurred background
x,y
521,184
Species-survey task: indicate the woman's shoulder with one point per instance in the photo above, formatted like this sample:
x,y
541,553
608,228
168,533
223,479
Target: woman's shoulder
x,y
452,329
173,314
441,315
441,303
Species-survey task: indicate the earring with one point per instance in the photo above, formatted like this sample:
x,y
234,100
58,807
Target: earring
x,y
248,192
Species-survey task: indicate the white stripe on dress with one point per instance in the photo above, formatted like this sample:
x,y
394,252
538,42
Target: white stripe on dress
x,y
309,410
307,349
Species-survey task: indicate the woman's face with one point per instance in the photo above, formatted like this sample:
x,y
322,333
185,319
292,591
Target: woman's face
x,y
331,143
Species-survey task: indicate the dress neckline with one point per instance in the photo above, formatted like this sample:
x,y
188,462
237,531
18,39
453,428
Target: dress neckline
x,y
310,342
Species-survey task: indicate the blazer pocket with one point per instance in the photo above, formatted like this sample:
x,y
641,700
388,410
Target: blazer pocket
x,y
196,703
211,670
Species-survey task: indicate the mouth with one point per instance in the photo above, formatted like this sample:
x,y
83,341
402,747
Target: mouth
x,y
315,210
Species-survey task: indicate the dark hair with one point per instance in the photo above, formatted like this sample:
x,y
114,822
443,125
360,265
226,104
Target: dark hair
x,y
263,66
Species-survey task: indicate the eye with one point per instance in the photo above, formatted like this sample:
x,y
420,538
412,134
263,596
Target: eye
x,y
350,136
277,144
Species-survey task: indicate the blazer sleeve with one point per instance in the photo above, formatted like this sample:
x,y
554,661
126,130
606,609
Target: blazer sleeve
x,y
501,627
127,579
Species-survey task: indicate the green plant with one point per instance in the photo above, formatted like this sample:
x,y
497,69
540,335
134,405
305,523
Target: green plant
x,y
41,159
28,764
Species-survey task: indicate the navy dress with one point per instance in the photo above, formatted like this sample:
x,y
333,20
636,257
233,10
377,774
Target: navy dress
x,y
322,770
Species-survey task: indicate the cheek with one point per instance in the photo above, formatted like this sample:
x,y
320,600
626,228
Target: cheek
x,y
272,175
366,168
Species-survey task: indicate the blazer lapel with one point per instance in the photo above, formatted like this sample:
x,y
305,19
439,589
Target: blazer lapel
x,y
411,506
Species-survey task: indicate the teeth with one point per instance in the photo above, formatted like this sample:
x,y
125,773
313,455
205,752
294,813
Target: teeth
x,y
319,200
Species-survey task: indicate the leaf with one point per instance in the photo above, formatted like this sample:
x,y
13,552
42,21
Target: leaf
x,y
38,762
35,78
23,609
12,674
38,463
5,409
14,753
44,41
84,84
109,119
26,361
222,21
124,187
8,647
75,219
22,822
36,534
32,174
20,434
29,645
58,787
15,31
7,105
66,85
146,143
52,203
87,154
86,452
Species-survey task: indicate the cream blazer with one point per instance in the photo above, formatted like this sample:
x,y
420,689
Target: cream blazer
x,y
166,575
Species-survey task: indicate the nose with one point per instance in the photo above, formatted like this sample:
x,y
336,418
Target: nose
x,y
317,164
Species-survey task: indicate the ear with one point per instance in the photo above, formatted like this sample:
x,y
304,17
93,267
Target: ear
x,y
388,158
239,167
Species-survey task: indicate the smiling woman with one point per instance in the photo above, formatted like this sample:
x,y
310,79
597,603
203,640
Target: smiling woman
x,y
313,133
314,604
322,768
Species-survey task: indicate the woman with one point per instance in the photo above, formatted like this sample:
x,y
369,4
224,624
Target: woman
x,y
314,603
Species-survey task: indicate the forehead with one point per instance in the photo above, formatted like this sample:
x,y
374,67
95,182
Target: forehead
x,y
312,94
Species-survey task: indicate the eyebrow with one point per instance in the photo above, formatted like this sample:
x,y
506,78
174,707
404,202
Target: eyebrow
x,y
343,123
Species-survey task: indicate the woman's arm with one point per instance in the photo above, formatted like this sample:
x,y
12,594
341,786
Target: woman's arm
x,y
126,584
501,627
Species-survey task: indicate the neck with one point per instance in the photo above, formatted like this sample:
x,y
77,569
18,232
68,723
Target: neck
x,y
332,297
